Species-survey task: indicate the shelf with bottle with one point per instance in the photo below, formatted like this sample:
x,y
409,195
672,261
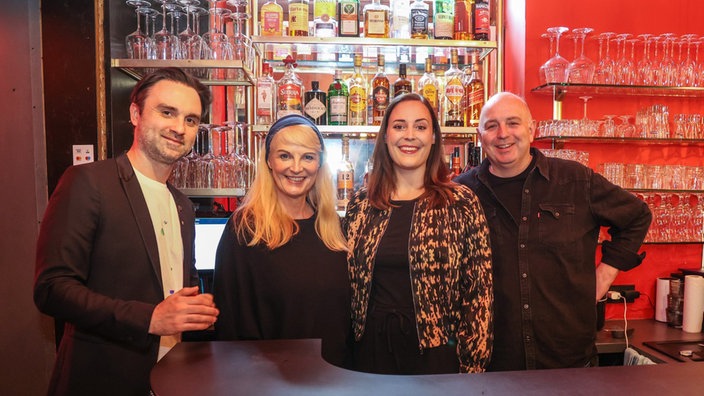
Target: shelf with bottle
x,y
561,89
210,72
363,131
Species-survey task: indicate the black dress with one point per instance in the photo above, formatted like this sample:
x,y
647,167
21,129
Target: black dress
x,y
390,342
299,290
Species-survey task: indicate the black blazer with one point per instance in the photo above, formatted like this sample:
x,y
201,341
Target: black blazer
x,y
97,269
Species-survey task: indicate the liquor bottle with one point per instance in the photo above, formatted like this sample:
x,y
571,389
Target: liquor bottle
x,y
348,18
474,93
456,165
345,176
324,23
400,18
266,91
376,20
271,19
481,20
443,19
323,7
298,17
380,92
315,104
462,29
453,113
338,95
357,109
289,91
419,19
402,85
428,86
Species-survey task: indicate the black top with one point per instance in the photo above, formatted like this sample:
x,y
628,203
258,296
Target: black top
x,y
392,274
299,290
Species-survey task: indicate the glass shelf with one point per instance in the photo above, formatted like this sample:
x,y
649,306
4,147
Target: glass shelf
x,y
233,72
558,90
213,192
665,191
616,140
364,131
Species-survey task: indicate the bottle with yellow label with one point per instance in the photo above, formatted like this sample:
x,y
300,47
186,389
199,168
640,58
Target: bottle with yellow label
x,y
357,113
271,19
298,17
428,86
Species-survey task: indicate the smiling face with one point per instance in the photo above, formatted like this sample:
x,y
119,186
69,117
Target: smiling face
x,y
506,132
409,137
166,128
294,164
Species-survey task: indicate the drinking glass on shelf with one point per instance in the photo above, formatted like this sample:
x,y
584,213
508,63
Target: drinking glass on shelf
x,y
626,129
166,44
604,72
581,69
541,69
644,67
137,43
216,44
556,67
688,68
624,66
667,68
191,42
609,126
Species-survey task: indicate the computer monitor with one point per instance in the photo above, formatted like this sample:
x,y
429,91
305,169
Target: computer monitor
x,y
208,232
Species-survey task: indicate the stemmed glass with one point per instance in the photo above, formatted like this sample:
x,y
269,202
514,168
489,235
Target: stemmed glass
x,y
667,65
688,68
165,43
541,69
215,42
609,126
623,65
644,66
604,73
556,67
191,42
581,69
137,43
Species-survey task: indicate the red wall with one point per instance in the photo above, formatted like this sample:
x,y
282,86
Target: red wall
x,y
526,51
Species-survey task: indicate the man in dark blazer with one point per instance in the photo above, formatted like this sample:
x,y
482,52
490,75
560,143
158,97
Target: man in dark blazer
x,y
115,251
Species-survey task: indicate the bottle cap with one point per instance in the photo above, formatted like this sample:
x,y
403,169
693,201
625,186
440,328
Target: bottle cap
x,y
315,85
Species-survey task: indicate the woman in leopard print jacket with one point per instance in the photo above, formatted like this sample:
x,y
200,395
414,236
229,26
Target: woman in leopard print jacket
x,y
420,260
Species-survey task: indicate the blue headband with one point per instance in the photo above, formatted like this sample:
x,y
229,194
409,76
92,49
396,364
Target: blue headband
x,y
290,120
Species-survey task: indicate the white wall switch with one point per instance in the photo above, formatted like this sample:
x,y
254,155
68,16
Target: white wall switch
x,y
83,154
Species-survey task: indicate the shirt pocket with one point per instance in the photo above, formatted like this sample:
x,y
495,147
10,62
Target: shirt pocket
x,y
556,223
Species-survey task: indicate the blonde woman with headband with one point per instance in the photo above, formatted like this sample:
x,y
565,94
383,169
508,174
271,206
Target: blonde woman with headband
x,y
280,270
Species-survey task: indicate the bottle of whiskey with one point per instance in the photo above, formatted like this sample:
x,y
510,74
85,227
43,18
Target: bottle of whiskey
x,y
481,20
345,176
338,95
463,20
376,20
456,165
348,18
289,91
266,91
419,19
271,19
315,104
443,19
298,17
453,112
357,109
380,92
428,86
402,85
474,93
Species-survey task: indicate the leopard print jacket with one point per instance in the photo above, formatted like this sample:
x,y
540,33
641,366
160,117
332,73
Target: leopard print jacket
x,y
450,260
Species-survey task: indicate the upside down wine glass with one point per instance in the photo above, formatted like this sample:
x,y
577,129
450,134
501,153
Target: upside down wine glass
x,y
555,68
137,43
581,69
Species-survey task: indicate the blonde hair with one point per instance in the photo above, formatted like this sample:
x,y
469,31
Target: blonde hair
x,y
261,219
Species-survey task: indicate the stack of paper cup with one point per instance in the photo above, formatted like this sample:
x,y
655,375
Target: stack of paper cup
x,y
693,304
662,289
675,303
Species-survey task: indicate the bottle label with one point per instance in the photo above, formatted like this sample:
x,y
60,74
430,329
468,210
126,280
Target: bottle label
x,y
481,19
454,91
271,23
338,109
345,180
381,98
476,97
376,22
357,99
443,25
315,108
289,99
323,7
265,98
419,21
349,19
431,94
298,17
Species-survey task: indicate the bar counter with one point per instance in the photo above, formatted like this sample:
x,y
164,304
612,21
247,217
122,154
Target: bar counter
x,y
294,367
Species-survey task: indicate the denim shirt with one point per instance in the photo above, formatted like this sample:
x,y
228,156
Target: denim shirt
x,y
544,261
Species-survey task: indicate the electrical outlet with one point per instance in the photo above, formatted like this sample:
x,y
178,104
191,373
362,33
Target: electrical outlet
x,y
628,291
83,154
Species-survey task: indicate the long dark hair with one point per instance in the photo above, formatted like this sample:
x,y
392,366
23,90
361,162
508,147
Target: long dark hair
x,y
382,180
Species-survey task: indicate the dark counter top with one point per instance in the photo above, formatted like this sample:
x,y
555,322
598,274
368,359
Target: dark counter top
x,y
294,367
